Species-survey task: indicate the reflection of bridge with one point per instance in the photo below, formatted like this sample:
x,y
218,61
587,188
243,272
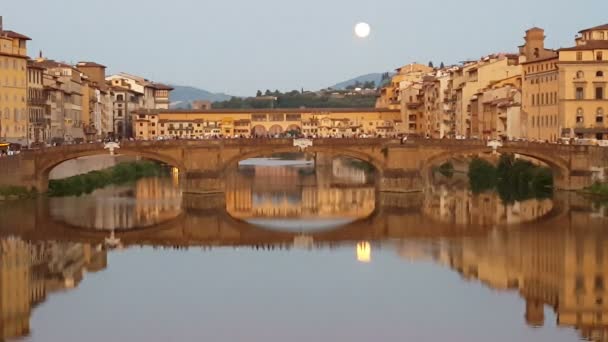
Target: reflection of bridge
x,y
401,167
205,222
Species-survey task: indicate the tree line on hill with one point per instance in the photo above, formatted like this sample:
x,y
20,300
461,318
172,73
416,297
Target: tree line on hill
x,y
299,99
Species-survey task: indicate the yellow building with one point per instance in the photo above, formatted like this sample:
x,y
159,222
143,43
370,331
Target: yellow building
x,y
540,85
564,91
583,94
152,124
13,86
390,95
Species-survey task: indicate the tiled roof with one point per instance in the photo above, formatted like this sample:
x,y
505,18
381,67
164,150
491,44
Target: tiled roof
x,y
13,34
90,64
601,27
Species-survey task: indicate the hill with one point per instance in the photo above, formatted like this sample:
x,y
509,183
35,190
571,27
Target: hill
x,y
375,77
182,96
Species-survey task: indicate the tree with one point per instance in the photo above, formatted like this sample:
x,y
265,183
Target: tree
x,y
442,65
431,64
268,92
259,93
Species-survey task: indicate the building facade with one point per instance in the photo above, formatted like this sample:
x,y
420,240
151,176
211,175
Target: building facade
x,y
155,124
13,86
39,122
583,88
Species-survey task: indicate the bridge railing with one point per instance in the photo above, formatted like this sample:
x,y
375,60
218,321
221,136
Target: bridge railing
x,y
555,148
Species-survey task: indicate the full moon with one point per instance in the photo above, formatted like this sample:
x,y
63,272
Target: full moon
x,y
362,30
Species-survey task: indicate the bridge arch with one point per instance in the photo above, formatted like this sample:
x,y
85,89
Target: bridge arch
x,y
333,152
555,163
44,167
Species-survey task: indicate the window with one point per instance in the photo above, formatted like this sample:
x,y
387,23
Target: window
x,y
120,97
580,93
599,282
580,74
599,55
599,93
599,74
599,116
579,56
579,115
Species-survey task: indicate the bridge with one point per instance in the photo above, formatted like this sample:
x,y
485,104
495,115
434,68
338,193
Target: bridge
x,y
203,164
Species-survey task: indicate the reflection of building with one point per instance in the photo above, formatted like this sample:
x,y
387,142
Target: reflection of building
x,y
275,192
153,200
462,207
30,271
553,266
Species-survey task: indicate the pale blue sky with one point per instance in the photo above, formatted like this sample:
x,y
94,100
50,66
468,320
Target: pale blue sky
x,y
240,46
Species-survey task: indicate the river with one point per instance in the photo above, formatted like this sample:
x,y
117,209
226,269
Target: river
x,y
294,253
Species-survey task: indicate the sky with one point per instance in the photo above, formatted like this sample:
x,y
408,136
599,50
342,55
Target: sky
x,y
239,46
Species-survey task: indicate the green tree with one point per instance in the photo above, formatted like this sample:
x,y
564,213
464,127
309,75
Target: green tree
x,y
259,93
442,66
431,64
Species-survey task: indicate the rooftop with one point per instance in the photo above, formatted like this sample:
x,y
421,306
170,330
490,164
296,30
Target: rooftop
x,y
601,27
13,34
269,111
90,64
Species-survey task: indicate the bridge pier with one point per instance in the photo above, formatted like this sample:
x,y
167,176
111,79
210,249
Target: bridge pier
x,y
203,183
401,181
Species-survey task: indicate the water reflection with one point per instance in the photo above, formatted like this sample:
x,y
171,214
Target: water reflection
x,y
550,254
31,271
458,204
291,194
149,201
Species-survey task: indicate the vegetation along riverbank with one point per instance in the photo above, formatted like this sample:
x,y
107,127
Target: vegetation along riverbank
x,y
514,179
119,174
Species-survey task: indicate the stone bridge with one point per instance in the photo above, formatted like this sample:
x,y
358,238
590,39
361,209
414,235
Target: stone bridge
x,y
401,167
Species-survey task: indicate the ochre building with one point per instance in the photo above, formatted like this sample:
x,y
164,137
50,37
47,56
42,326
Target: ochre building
x,y
152,124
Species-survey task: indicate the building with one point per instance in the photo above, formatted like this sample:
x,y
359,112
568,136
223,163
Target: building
x,y
496,110
540,83
100,103
152,124
390,96
582,90
13,86
65,92
39,120
564,91
132,93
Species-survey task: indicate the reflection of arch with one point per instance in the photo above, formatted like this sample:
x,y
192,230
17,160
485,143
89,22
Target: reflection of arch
x,y
119,127
275,129
258,130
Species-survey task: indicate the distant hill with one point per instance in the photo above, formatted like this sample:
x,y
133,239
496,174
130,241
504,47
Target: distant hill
x,y
376,77
182,96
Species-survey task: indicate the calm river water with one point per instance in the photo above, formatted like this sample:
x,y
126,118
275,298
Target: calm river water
x,y
290,253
